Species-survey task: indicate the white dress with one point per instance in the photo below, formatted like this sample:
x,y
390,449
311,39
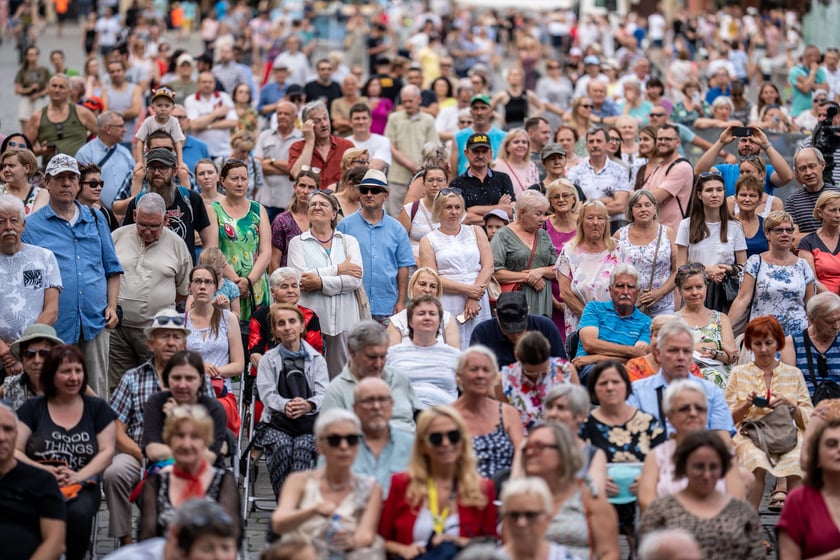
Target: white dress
x,y
421,225
458,259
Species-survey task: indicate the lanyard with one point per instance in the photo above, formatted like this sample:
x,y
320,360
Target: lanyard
x,y
438,519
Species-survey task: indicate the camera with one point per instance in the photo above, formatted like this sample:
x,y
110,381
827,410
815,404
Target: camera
x,y
825,138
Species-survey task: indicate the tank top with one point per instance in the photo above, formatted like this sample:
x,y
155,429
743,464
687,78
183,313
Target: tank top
x,y
67,136
120,101
516,109
494,451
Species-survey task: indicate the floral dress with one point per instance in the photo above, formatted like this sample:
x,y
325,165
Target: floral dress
x,y
625,443
527,396
780,292
589,274
645,258
239,241
712,370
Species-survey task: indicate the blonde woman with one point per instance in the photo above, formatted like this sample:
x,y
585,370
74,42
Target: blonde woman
x,y
352,157
425,281
820,249
515,160
561,227
580,119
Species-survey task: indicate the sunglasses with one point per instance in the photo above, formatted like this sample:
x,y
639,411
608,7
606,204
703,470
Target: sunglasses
x,y
707,174
360,161
449,190
585,105
20,145
305,168
751,157
59,130
93,184
691,267
657,114
529,516
436,438
369,190
43,352
176,320
335,440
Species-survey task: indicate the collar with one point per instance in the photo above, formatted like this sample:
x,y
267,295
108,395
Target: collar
x,y
468,173
216,95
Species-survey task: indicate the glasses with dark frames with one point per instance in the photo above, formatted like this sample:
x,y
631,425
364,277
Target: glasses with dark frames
x,y
334,440
436,438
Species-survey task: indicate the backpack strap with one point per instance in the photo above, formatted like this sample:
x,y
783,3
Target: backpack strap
x,y
668,170
414,207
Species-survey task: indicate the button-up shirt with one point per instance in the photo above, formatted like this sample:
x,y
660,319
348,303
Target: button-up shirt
x,y
278,189
115,172
392,459
612,327
408,134
331,166
604,182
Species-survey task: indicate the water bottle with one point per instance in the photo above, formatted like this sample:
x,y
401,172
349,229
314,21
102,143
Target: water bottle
x,y
333,552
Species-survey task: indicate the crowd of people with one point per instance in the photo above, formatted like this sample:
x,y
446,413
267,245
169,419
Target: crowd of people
x,y
463,257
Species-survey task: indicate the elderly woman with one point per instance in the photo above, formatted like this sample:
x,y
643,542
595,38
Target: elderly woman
x,y
685,406
461,254
50,424
19,165
641,367
428,361
821,248
188,432
31,350
561,226
440,501
724,526
754,391
312,503
295,220
582,520
416,216
815,351
650,246
525,383
527,505
514,159
634,104
331,271
721,115
424,281
291,379
585,264
776,282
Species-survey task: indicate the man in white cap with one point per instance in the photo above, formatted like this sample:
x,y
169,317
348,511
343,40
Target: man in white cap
x,y
386,251
184,85
81,241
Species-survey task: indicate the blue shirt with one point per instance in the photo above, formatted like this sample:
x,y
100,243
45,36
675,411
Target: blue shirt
x,y
496,135
644,397
731,172
626,331
385,249
86,258
116,171
270,94
194,150
609,108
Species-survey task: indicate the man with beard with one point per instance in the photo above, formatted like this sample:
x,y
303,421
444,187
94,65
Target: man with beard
x,y
185,211
673,180
808,164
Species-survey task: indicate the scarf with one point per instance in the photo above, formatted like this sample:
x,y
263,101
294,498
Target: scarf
x,y
194,487
287,354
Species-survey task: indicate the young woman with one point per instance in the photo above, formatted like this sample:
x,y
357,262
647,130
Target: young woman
x,y
245,112
517,102
568,137
90,189
515,160
207,179
294,220
424,282
416,217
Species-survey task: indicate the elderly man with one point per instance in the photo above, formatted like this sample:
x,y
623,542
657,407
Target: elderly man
x,y
320,147
482,188
340,109
809,165
107,152
368,347
615,329
408,130
32,509
674,351
275,90
669,544
212,116
378,146
386,250
272,151
124,98
157,266
90,270
30,278
185,211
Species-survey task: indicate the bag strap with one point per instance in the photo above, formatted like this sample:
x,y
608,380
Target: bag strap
x,y
108,153
755,287
668,170
587,513
655,257
533,250
414,207
809,358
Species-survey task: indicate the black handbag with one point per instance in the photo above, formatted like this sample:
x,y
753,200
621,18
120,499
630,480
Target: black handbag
x,y
826,389
292,383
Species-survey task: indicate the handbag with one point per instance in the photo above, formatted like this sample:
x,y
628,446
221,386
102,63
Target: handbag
x,y
516,286
775,433
826,389
644,308
362,301
292,383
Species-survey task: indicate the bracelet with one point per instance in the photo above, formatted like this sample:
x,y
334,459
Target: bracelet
x,y
767,146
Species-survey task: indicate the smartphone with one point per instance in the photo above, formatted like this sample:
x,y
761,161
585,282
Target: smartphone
x,y
741,131
759,402
461,319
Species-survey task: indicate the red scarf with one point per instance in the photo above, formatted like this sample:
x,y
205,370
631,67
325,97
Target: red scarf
x,y
194,487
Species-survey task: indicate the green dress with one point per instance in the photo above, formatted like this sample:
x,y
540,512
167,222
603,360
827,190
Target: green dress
x,y
239,240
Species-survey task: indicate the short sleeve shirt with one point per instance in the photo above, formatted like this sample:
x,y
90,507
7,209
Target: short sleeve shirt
x,y
712,250
625,331
606,181
25,276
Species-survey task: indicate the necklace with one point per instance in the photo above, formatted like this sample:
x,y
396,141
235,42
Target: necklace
x,y
322,241
338,487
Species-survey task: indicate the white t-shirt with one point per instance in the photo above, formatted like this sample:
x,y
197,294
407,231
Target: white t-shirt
x,y
656,27
378,147
711,250
217,139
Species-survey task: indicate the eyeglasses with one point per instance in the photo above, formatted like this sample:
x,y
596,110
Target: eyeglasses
x,y
436,438
685,409
360,161
529,516
305,168
20,145
539,446
158,168
615,139
334,440
94,184
371,190
368,402
29,354
780,230
164,320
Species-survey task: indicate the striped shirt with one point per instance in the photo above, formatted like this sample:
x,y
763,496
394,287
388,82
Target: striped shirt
x,y
831,357
801,204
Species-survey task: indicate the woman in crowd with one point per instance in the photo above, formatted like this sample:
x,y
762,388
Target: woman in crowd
x,y
514,159
647,159
561,226
18,168
555,91
754,391
440,501
295,219
753,166
568,137
524,254
245,112
423,356
815,351
31,350
634,104
444,93
188,433
647,365
711,329
495,426
748,191
527,505
424,281
433,154
49,423
313,501
525,383
380,107
581,520
586,262
15,141
331,270
242,145
30,84
348,195
291,379
90,190
708,236
807,527
244,238
613,147
692,106
685,406
776,282
93,83
768,94
724,526
517,102
207,179
416,217
650,246
461,254
214,334
580,120
721,115
353,157
820,248
227,292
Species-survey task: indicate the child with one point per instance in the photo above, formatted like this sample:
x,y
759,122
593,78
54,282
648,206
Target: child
x,y
227,289
494,221
162,104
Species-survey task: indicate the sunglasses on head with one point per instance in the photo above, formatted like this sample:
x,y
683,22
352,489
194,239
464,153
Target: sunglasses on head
x,y
436,438
709,175
691,267
42,352
449,190
177,320
305,168
334,440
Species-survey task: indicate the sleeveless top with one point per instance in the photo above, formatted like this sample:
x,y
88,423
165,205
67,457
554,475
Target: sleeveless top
x,y
67,136
516,109
494,451
667,485
757,244
166,511
645,258
213,349
29,201
120,101
569,526
421,224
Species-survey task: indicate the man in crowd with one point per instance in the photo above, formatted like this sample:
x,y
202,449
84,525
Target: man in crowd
x,y
272,152
184,85
61,126
124,98
320,147
378,146
212,116
482,114
90,269
275,90
295,61
659,116
323,88
110,155
809,164
340,109
804,78
672,182
539,134
227,70
447,119
605,111
482,188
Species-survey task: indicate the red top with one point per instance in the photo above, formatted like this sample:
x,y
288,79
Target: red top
x,y
807,521
398,517
331,169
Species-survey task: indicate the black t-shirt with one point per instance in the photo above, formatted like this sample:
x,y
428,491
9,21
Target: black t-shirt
x,y
27,495
490,335
315,91
52,443
154,419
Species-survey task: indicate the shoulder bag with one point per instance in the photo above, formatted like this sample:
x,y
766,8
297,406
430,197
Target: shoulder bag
x,y
516,286
826,389
775,433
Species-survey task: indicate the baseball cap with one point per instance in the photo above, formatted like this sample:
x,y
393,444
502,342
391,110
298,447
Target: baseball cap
x,y
35,331
168,319
61,163
480,98
164,91
279,63
478,139
161,155
294,89
592,59
93,103
512,311
550,150
374,178
185,58
498,213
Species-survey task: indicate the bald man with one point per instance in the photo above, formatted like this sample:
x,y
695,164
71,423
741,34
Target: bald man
x,y
272,152
669,544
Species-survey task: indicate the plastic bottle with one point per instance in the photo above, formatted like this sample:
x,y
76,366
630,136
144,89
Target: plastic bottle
x,y
333,552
